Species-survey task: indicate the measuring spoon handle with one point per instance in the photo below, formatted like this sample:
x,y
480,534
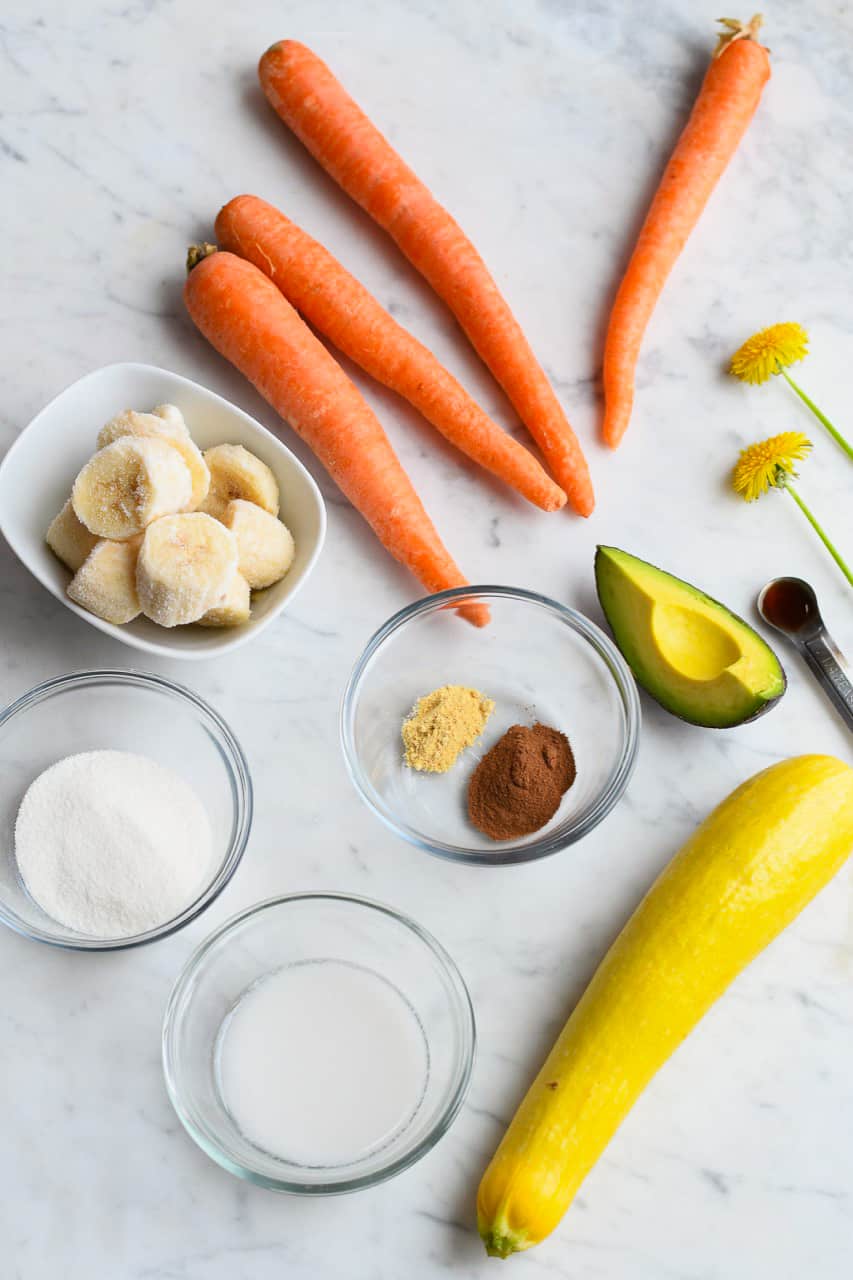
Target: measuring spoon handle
x,y
824,658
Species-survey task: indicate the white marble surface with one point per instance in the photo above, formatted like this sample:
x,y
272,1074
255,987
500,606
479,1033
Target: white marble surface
x,y
125,124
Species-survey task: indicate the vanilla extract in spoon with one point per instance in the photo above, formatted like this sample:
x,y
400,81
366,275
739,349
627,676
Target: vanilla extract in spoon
x,y
790,605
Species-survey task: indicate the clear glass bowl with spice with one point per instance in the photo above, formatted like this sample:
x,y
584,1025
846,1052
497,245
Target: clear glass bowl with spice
x,y
490,744
161,755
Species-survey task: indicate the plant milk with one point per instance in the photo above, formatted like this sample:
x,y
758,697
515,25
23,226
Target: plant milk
x,y
322,1063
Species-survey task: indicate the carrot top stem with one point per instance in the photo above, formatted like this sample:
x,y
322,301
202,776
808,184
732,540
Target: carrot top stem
x,y
198,252
734,29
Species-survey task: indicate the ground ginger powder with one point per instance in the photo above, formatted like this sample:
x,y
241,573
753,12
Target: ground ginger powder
x,y
442,724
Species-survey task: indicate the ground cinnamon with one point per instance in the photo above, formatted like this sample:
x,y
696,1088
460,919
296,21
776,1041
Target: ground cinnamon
x,y
517,787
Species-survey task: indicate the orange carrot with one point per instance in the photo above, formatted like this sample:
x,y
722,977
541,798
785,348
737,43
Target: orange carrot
x,y
245,317
339,135
726,103
340,307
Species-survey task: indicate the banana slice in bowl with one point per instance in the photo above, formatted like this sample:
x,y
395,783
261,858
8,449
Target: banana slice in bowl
x,y
128,485
105,583
185,565
233,609
37,471
69,539
235,473
166,423
265,545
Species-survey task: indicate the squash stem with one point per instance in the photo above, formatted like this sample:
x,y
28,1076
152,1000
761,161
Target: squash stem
x,y
500,1244
500,1239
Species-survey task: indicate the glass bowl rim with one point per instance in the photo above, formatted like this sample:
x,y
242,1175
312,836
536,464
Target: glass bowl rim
x,y
509,853
464,1065
235,763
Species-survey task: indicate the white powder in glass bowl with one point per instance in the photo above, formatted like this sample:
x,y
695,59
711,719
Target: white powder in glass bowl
x,y
112,844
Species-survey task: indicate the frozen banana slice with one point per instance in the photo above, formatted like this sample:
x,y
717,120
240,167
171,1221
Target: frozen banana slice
x,y
185,565
236,473
68,539
105,583
233,607
215,506
171,414
165,420
165,423
264,545
128,484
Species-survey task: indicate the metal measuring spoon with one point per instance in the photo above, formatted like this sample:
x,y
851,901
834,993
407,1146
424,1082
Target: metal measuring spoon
x,y
790,605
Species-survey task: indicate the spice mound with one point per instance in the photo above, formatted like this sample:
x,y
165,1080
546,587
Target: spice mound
x,y
517,787
443,724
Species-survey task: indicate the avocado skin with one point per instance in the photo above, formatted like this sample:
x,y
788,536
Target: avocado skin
x,y
762,705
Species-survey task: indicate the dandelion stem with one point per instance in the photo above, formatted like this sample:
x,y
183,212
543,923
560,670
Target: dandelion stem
x,y
820,533
821,417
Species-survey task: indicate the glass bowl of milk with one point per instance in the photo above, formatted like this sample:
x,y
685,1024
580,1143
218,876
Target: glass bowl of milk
x,y
318,1043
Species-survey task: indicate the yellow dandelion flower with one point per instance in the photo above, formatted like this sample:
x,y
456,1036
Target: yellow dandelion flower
x,y
770,464
767,464
770,351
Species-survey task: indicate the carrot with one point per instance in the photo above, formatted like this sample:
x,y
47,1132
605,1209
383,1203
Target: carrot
x,y
248,321
351,149
726,103
340,307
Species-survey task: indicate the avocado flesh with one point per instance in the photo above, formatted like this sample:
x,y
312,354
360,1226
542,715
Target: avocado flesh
x,y
692,654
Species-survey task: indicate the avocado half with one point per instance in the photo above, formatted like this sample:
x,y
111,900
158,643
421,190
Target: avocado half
x,y
693,655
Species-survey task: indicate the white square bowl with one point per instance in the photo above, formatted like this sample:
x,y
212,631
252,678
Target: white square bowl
x,y
37,473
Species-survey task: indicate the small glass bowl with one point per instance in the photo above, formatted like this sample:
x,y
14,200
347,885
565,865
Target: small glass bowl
x,y
539,661
303,929
120,710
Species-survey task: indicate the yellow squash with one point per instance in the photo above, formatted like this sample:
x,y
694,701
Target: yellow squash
x,y
747,871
